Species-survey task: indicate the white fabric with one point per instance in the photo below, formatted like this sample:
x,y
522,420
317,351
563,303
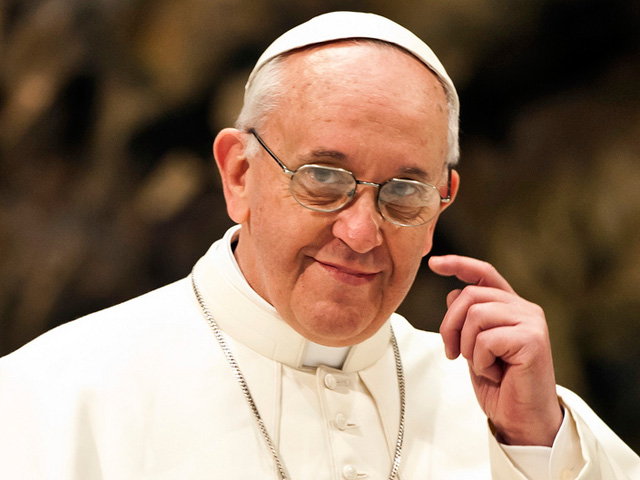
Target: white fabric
x,y
316,355
142,391
537,462
336,26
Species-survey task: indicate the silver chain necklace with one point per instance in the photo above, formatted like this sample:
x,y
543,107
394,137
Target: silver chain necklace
x,y
254,409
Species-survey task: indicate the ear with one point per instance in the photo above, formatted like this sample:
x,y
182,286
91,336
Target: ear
x,y
455,184
229,152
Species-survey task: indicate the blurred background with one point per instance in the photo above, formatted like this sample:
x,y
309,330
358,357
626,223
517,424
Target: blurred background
x,y
108,109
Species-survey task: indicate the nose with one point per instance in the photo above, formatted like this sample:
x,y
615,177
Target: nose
x,y
359,223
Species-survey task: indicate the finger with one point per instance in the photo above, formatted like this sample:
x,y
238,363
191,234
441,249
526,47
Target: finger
x,y
491,348
469,270
520,347
481,317
493,372
453,294
456,316
485,361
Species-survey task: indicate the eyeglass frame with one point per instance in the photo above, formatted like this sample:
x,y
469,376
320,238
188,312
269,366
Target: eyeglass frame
x,y
290,173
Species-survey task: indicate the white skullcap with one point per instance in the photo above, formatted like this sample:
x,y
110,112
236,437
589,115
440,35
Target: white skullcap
x,y
347,25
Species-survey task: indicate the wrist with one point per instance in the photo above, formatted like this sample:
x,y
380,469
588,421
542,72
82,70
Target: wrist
x,y
529,433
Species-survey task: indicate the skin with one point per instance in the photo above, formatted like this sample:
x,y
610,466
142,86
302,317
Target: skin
x,y
505,340
336,277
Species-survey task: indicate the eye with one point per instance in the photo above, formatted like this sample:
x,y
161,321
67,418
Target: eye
x,y
321,188
402,189
325,175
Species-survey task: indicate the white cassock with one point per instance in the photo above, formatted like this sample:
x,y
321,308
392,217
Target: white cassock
x,y
142,390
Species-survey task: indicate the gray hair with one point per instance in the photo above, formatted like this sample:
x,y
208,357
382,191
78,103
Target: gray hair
x,y
266,90
260,99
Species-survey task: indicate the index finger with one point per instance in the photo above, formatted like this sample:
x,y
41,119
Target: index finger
x,y
469,270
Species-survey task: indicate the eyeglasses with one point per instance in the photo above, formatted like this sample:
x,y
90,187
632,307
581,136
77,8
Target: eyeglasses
x,y
408,203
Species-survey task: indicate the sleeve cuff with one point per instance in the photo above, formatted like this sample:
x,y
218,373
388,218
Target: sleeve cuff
x,y
564,460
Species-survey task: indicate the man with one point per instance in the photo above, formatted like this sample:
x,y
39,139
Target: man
x,y
281,357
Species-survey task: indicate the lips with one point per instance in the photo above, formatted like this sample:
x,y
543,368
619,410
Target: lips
x,y
348,275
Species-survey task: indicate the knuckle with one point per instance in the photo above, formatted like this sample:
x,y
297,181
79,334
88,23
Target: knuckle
x,y
446,329
534,311
540,336
475,310
488,266
470,291
538,311
482,342
443,329
468,353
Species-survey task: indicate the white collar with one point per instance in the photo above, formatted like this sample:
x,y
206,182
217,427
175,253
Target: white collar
x,y
248,318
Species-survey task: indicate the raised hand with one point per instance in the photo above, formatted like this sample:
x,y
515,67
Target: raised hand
x,y
505,341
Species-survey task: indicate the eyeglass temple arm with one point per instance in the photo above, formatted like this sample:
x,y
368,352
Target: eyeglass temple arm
x,y
447,199
253,132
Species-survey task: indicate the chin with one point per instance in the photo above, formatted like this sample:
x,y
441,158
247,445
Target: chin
x,y
338,332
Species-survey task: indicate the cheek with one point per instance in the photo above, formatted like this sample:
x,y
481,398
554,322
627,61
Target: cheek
x,y
270,197
280,229
426,239
426,247
408,257
419,240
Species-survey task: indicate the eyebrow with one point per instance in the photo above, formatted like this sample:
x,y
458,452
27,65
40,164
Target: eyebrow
x,y
413,172
416,173
333,154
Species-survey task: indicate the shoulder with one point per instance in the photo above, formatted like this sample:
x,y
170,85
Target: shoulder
x,y
116,338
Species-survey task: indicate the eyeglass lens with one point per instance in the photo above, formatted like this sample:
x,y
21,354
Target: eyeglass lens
x,y
326,189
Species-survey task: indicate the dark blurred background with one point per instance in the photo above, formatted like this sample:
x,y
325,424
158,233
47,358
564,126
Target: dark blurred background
x,y
108,109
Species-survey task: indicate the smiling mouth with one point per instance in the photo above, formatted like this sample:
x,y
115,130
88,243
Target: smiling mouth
x,y
348,275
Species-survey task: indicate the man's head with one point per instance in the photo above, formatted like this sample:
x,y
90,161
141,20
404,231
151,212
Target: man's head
x,y
264,88
367,107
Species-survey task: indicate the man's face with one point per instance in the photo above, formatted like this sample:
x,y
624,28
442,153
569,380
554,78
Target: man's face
x,y
379,113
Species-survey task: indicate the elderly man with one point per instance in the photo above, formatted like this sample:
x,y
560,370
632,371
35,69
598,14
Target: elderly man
x,y
281,356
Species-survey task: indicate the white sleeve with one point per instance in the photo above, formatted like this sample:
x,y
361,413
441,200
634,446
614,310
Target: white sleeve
x,y
563,460
584,449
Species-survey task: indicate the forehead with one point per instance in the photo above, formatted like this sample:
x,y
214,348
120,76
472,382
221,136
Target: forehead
x,y
358,97
361,66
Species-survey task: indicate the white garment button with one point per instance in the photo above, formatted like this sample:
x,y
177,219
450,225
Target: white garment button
x,y
330,381
341,422
350,473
